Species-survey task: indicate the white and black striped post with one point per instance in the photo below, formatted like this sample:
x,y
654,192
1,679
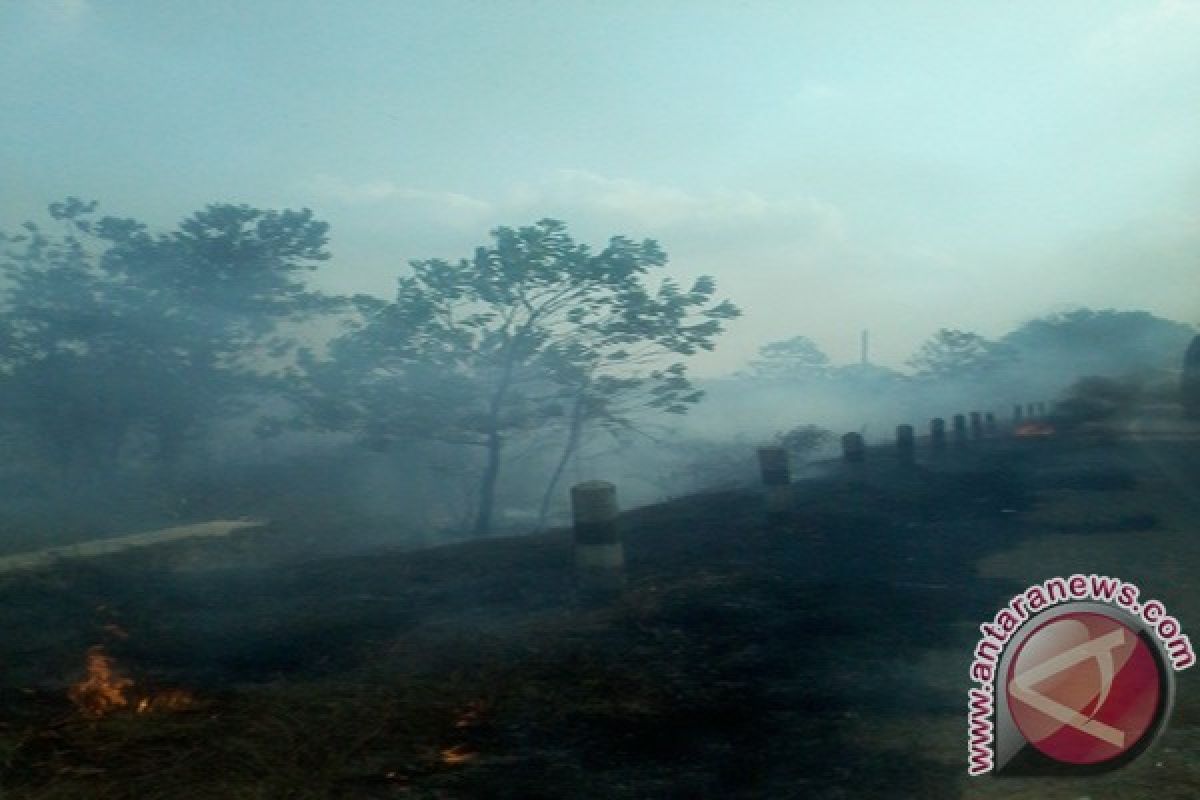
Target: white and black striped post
x,y
599,554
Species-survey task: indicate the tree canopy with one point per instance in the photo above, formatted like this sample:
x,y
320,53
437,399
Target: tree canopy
x,y
1101,342
953,354
534,330
113,331
797,358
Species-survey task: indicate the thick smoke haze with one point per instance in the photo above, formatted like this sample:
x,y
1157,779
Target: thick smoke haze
x,y
836,166
1004,195
595,398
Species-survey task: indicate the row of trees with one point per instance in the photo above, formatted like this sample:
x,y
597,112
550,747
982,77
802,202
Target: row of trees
x,y
1057,348
124,349
121,346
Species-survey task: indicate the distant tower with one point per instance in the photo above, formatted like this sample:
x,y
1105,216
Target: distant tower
x,y
865,337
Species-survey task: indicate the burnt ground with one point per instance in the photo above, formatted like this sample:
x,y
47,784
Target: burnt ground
x,y
823,656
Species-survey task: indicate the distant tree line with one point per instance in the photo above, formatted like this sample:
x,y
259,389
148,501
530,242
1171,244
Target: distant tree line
x,y
1048,351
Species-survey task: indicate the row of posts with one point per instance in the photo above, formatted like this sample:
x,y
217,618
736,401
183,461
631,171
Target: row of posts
x,y
600,555
965,427
776,477
1031,411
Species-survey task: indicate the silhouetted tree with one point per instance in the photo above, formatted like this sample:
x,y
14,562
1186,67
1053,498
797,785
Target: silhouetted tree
x,y
113,329
802,440
535,330
797,359
1106,342
959,355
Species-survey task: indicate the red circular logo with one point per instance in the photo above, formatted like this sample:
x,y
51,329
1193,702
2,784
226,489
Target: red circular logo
x,y
1084,688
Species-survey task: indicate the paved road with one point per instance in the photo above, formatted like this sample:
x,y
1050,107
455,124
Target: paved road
x,y
100,547
1167,440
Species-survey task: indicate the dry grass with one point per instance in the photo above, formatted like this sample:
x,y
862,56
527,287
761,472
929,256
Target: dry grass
x,y
296,741
827,658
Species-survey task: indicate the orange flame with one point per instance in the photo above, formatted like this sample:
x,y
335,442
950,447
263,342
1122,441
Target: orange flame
x,y
471,715
460,754
103,689
167,700
1034,429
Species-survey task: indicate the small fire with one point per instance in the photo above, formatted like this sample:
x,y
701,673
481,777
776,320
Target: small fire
x,y
167,700
460,754
471,716
1034,429
103,689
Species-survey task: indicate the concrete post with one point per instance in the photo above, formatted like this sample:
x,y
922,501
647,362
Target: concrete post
x,y
937,433
960,429
976,424
776,477
905,444
853,448
599,554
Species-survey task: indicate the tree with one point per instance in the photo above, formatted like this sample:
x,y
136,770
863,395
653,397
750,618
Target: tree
x,y
71,358
615,363
214,293
1105,342
797,358
113,330
959,355
802,440
534,330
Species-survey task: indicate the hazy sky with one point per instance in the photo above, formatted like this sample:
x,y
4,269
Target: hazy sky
x,y
901,166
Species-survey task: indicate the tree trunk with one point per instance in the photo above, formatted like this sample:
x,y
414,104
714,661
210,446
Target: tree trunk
x,y
574,434
495,442
487,484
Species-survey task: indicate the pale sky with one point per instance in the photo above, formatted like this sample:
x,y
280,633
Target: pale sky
x,y
900,166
